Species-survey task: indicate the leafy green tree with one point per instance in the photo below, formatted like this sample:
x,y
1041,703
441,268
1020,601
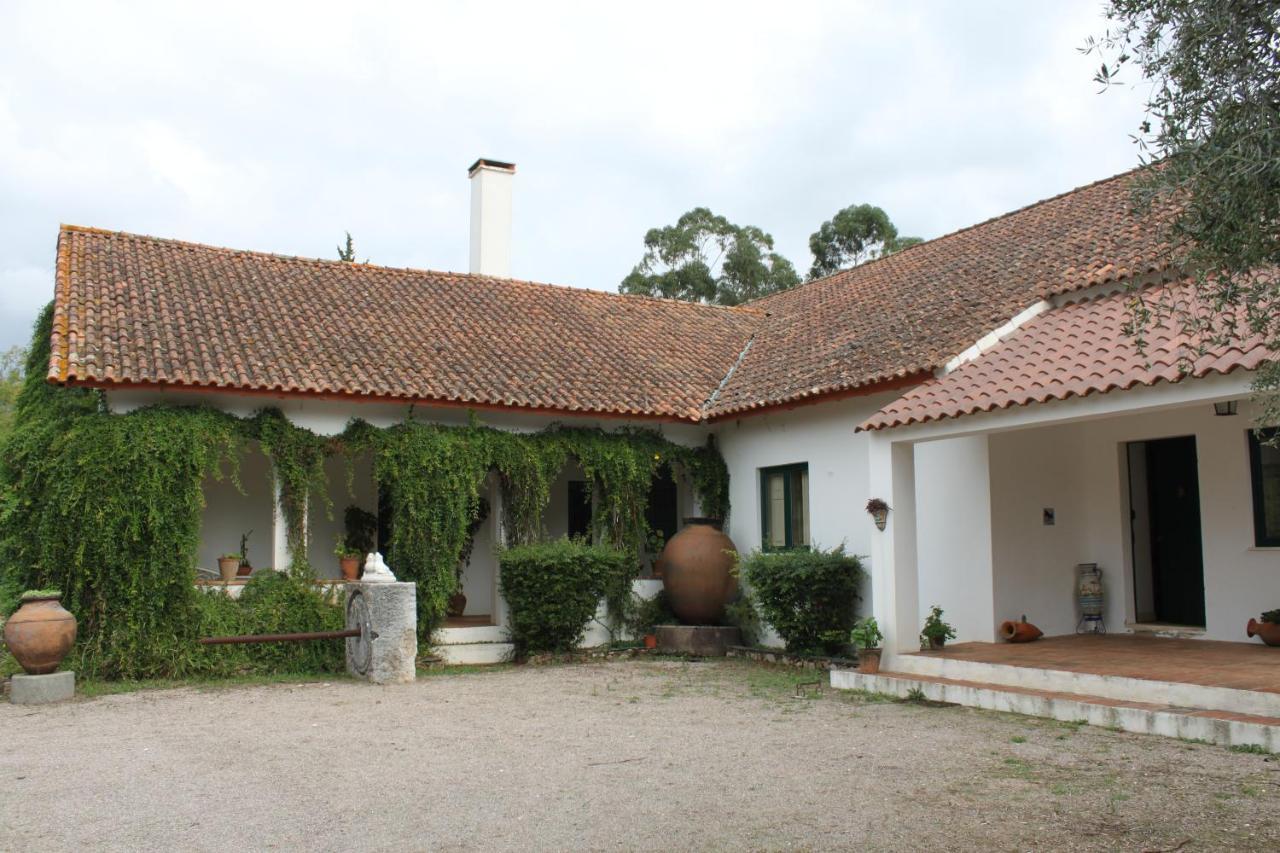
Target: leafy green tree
x,y
860,232
1212,129
348,252
11,376
706,258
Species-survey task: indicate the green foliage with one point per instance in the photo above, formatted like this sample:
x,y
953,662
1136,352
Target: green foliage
x,y
743,614
866,634
936,630
859,233
107,507
347,251
650,612
270,603
553,590
805,595
360,531
1213,125
1272,616
706,258
297,462
12,362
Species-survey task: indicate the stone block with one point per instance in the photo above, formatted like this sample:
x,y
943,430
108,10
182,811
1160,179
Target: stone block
x,y
387,651
42,689
702,640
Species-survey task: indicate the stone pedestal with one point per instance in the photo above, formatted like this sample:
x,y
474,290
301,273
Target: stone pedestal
x,y
710,641
386,652
42,689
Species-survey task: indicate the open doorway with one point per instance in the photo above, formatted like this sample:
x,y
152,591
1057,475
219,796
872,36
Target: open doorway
x,y
1164,515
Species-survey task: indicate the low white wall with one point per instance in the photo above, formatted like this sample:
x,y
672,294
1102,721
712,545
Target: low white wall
x,y
1079,470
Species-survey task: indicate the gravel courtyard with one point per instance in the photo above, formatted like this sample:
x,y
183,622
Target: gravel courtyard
x,y
625,755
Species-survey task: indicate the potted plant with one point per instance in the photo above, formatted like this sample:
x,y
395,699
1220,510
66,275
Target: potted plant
x,y
936,632
358,540
879,512
229,566
348,559
1268,629
41,632
246,568
866,637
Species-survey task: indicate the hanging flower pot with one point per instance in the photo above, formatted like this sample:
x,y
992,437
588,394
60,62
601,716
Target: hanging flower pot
x,y
879,511
40,633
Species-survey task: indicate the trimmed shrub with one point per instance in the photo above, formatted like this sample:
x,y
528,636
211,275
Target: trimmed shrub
x,y
553,589
807,596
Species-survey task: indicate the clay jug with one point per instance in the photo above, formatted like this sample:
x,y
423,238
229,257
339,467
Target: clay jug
x,y
698,572
1020,632
40,634
1268,632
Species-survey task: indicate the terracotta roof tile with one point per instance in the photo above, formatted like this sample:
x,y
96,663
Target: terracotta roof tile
x,y
1073,351
141,310
914,310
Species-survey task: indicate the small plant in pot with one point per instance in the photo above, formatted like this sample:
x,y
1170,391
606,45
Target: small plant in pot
x,y
936,632
246,568
879,512
348,559
229,566
359,538
1267,629
866,637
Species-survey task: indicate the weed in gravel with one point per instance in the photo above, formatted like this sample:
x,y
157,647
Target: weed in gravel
x,y
1250,748
1017,739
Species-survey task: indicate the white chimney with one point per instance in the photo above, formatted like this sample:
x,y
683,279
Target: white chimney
x,y
491,217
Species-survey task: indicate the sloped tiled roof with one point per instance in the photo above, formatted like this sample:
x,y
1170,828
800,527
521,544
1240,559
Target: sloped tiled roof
x,y
133,310
144,311
1074,351
910,312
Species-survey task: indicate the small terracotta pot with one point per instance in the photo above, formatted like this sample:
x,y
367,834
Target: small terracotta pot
x,y
650,641
350,567
457,604
869,660
1268,632
1019,632
937,644
244,571
228,567
40,634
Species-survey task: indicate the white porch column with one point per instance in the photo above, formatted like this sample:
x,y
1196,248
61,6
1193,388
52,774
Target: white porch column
x,y
894,596
279,530
953,505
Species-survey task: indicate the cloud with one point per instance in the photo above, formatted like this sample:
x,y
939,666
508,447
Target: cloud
x,y
277,126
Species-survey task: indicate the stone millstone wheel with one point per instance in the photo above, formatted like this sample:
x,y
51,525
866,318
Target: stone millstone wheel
x,y
359,649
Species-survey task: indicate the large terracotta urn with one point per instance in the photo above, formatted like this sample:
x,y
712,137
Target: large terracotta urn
x,y
698,572
40,634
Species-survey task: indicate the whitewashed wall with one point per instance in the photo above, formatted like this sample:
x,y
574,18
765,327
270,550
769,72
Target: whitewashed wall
x,y
1079,470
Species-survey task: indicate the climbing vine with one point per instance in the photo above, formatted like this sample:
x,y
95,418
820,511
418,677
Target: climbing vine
x,y
107,507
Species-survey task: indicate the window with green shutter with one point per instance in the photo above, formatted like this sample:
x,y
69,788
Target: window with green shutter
x,y
784,507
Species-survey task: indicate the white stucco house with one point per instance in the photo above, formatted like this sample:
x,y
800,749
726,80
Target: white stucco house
x,y
980,383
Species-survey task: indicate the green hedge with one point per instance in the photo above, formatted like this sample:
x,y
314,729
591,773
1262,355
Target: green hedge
x,y
553,589
809,597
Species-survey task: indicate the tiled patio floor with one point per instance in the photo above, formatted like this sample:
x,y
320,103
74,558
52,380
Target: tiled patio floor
x,y
1243,666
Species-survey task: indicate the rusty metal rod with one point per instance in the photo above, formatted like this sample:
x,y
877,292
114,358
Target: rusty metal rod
x,y
280,638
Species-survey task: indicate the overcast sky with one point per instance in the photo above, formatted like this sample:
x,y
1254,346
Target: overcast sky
x,y
262,126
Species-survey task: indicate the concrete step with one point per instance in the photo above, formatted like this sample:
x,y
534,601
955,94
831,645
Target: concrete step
x,y
1226,728
472,654
470,634
1161,693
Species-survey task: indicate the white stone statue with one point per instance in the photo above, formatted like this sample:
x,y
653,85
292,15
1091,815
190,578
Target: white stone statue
x,y
376,570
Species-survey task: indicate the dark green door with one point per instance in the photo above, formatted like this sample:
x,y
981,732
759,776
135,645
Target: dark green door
x,y
1177,559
